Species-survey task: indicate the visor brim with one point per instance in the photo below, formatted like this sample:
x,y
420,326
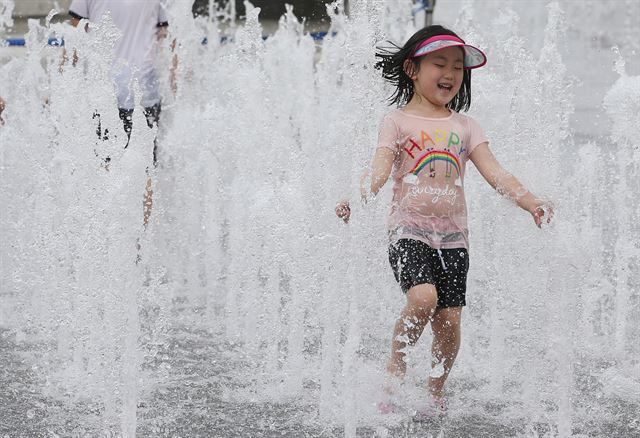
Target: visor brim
x,y
473,57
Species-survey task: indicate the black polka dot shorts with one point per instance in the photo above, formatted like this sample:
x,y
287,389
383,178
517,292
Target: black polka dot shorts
x,y
414,262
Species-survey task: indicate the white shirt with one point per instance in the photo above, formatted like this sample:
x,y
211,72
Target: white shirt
x,y
135,51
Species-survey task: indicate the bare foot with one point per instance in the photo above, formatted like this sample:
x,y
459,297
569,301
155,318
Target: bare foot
x,y
395,376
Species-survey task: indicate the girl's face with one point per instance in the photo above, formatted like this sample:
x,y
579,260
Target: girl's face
x,y
439,77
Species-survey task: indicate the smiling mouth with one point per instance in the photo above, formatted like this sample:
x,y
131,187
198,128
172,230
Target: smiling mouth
x,y
445,87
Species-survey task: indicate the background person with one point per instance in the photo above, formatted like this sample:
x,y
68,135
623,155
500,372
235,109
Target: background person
x,y
141,23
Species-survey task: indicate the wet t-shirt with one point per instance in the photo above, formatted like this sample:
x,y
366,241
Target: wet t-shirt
x,y
428,176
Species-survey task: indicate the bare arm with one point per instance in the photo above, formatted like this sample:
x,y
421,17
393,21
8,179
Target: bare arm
x,y
378,175
2,106
162,33
174,68
508,185
380,170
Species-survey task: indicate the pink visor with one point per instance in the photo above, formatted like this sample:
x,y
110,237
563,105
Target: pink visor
x,y
473,57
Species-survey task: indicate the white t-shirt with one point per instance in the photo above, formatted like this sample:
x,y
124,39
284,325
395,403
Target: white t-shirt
x,y
135,51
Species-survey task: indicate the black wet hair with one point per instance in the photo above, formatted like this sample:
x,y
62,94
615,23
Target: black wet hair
x,y
391,61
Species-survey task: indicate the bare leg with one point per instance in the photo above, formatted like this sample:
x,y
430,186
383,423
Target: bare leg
x,y
421,305
446,343
147,203
152,114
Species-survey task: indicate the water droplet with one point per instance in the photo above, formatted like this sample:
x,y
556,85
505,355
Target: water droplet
x,y
437,371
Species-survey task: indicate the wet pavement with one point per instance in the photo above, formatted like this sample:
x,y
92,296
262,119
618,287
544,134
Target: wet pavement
x,y
189,381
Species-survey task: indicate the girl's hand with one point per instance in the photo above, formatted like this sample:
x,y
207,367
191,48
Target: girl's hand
x,y
343,211
541,210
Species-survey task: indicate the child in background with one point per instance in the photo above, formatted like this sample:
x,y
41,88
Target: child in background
x,y
427,143
142,25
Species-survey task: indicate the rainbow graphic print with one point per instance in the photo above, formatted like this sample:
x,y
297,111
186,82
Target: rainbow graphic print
x,y
433,156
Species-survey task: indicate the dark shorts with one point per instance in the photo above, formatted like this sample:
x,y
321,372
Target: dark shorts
x,y
414,262
151,114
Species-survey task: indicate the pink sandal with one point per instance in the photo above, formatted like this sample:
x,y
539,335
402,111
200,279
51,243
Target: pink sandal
x,y
388,407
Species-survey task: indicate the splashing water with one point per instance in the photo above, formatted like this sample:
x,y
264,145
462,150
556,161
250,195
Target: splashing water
x,y
6,12
251,310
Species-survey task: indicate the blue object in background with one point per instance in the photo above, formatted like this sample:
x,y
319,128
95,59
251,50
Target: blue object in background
x,y
20,42
423,5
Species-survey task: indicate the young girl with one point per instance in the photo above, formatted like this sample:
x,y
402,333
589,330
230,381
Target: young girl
x,y
427,143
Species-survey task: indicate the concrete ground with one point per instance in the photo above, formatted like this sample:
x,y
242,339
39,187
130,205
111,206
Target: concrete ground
x,y
184,382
